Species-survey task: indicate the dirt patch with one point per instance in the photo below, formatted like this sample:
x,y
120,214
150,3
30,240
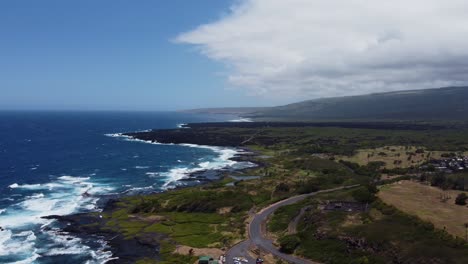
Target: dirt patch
x,y
352,220
252,192
212,252
224,210
425,202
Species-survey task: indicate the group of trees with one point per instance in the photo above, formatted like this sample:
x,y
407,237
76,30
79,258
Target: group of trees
x,y
454,182
365,194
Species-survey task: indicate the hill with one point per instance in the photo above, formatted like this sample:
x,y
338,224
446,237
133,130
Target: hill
x,y
450,103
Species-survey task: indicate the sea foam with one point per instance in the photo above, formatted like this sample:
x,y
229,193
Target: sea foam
x,y
178,173
62,196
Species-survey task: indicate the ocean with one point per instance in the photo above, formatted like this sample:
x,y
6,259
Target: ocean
x,y
59,163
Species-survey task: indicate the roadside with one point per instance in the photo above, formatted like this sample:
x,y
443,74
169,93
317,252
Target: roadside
x,y
257,232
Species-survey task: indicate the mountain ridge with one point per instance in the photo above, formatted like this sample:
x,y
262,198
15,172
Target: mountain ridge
x,y
435,104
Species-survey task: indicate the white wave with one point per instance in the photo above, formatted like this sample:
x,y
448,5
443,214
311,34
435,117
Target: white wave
x,y
178,173
114,135
65,244
221,162
182,125
2,211
73,179
129,138
14,244
138,189
67,195
141,167
35,196
239,120
101,255
47,186
152,174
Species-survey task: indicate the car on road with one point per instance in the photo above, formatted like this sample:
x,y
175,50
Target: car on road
x,y
240,260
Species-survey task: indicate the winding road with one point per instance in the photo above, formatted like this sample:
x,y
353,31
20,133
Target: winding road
x,y
257,232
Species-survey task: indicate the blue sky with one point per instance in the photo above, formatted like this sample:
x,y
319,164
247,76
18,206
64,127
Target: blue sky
x,y
177,54
109,54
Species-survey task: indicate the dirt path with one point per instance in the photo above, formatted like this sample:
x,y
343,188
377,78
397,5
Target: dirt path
x,y
292,227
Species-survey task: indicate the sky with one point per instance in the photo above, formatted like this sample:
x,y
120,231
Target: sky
x,y
178,54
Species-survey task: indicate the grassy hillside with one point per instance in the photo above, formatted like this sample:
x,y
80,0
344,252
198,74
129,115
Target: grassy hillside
x,y
429,105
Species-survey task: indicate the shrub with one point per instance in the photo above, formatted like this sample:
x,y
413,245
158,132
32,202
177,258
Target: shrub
x,y
282,187
289,243
365,194
438,180
309,186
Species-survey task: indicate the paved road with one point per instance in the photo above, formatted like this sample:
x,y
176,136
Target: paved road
x,y
240,250
256,232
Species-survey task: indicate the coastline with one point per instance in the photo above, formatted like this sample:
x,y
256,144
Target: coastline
x,y
231,156
92,225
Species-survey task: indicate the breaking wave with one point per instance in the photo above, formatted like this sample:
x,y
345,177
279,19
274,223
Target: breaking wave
x,y
22,221
222,161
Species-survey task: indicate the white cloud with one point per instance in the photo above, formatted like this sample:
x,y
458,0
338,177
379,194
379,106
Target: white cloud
x,y
314,48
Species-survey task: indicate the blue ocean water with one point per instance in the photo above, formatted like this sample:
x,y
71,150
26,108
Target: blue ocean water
x,y
58,163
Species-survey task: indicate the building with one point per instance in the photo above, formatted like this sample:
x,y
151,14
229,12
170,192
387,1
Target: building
x,y
207,260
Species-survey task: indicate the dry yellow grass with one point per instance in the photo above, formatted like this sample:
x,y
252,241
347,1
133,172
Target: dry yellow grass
x,y
185,250
425,202
392,154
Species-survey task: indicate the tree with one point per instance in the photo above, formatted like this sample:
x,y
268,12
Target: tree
x,y
438,180
365,194
282,187
461,199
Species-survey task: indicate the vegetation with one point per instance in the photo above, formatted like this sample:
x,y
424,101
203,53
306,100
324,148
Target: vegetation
x,y
381,235
428,105
289,243
302,158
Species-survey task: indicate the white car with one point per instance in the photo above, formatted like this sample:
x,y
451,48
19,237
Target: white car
x,y
239,260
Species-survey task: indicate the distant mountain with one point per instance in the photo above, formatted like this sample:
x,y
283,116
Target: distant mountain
x,y
226,110
450,103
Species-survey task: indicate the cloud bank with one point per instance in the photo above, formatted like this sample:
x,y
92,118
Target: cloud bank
x,y
319,48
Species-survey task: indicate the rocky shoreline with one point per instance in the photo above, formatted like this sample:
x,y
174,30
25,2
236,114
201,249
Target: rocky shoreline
x,y
92,226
